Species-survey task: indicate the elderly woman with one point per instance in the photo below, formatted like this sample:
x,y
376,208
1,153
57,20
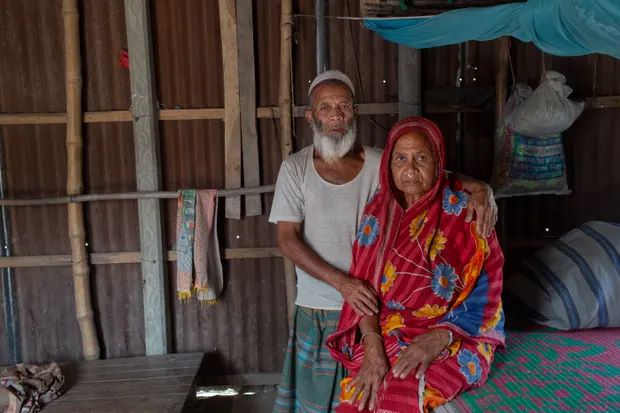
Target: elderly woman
x,y
439,281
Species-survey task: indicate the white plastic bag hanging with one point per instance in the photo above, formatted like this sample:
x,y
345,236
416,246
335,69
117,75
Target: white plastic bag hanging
x,y
525,165
520,93
547,111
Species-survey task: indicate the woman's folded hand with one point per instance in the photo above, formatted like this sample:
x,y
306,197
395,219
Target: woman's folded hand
x,y
374,368
421,352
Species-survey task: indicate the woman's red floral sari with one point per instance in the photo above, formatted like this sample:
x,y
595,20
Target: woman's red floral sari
x,y
431,270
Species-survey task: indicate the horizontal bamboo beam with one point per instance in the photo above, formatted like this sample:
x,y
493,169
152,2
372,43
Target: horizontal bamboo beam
x,y
129,196
268,112
435,108
191,114
133,257
106,117
32,118
602,102
384,108
176,114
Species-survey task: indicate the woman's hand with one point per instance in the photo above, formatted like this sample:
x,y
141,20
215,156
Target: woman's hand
x,y
374,367
421,352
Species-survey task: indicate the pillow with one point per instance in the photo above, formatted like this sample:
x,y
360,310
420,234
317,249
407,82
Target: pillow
x,y
574,283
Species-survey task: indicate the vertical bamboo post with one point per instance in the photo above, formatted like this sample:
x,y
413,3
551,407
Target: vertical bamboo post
x,y
502,50
77,233
286,107
501,76
286,126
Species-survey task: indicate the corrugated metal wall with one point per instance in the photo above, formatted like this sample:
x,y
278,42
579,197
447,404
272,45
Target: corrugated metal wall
x,y
246,331
32,80
31,68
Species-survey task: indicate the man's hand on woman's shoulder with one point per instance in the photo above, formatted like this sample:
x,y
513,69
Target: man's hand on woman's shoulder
x,y
482,202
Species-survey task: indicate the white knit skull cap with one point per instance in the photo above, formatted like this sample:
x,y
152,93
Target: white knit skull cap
x,y
331,75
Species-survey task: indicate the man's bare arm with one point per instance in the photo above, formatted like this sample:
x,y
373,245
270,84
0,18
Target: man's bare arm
x,y
357,293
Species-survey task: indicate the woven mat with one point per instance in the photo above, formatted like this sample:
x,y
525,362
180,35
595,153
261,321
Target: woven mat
x,y
550,371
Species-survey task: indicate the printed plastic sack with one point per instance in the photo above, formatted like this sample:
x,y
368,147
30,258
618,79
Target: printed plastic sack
x,y
547,111
528,165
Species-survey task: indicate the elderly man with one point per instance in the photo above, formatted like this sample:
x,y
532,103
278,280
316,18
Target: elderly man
x,y
320,195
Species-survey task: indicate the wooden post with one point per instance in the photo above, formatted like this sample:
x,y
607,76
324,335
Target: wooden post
x,y
77,233
232,120
286,127
148,176
409,75
501,76
502,51
247,99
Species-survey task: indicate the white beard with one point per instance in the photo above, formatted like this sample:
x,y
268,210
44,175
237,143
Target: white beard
x,y
331,149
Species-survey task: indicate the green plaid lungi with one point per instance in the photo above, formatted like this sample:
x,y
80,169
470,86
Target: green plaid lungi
x,y
310,378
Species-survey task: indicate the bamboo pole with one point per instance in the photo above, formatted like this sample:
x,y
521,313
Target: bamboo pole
x,y
77,233
286,127
285,100
32,118
129,196
266,112
130,257
501,76
263,112
502,50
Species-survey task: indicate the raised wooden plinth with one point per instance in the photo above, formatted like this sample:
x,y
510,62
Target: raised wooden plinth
x,y
130,385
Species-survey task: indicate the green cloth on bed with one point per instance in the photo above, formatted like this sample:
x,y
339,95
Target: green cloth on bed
x,y
550,371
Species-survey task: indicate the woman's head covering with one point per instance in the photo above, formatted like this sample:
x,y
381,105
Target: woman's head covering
x,y
385,198
429,129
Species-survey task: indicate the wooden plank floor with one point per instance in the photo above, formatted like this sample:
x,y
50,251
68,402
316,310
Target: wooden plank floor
x,y
153,384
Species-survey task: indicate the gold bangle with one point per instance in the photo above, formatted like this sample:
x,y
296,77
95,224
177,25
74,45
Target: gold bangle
x,y
370,332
